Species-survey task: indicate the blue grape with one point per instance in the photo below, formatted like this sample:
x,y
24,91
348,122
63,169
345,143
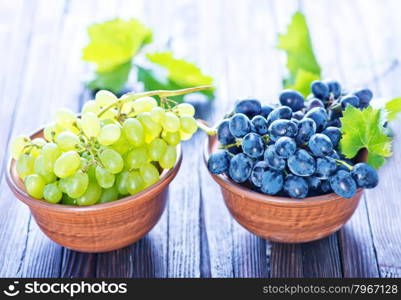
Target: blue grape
x,y
239,125
319,115
343,184
282,112
235,149
296,121
248,107
292,99
325,187
281,128
314,102
259,125
266,110
298,115
296,187
334,123
364,96
320,89
301,163
240,168
325,167
253,145
349,100
334,134
334,155
306,128
219,162
313,182
257,172
365,176
223,133
274,161
320,145
272,182
334,88
285,147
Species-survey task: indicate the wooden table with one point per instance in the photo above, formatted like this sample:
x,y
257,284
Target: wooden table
x,y
357,42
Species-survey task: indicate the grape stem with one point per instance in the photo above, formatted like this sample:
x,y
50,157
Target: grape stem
x,y
345,164
161,93
205,128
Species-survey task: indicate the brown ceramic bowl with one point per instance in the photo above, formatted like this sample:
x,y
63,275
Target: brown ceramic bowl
x,y
282,219
101,227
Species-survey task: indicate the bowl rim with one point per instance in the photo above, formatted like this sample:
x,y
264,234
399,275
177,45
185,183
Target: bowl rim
x,y
165,176
249,194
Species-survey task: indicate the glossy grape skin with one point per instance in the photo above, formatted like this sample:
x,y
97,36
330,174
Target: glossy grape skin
x,y
296,187
349,100
65,117
51,152
281,128
334,155
320,89
320,145
325,187
306,128
334,134
313,182
67,164
285,147
172,138
169,158
292,99
259,125
325,167
282,112
171,122
52,193
301,163
319,115
365,176
298,115
35,185
240,168
334,88
109,195
253,145
257,173
133,132
272,159
144,104
109,134
135,183
136,158
364,96
90,124
248,107
334,123
314,102
156,149
149,174
272,182
76,185
104,178
185,109
224,135
91,195
112,161
343,184
239,125
18,146
122,183
219,162
266,110
44,168
152,129
67,141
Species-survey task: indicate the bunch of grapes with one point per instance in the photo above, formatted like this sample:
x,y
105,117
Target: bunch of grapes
x,y
293,149
117,147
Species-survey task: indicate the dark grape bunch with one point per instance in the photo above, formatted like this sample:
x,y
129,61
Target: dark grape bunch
x,y
292,149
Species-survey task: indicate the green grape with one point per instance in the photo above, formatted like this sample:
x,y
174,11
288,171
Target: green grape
x,y
171,122
65,117
121,183
44,168
52,131
156,149
109,195
188,125
90,106
169,158
185,109
62,184
90,124
185,136
51,152
67,200
149,174
121,146
135,183
34,185
109,134
104,178
25,165
172,138
157,115
136,158
67,141
52,193
18,145
105,98
127,107
91,195
37,149
75,185
145,104
152,129
110,114
112,161
105,122
67,164
92,173
133,132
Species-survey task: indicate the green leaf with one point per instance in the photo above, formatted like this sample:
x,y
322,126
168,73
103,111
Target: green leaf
x,y
113,80
364,129
180,74
115,42
393,108
301,60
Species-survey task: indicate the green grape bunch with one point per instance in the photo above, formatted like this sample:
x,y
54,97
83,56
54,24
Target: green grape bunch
x,y
117,147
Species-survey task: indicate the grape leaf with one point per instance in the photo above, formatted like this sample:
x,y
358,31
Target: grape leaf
x,y
115,42
301,59
364,129
393,107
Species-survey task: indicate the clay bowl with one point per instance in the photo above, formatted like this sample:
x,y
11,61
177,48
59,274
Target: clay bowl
x,y
282,219
101,227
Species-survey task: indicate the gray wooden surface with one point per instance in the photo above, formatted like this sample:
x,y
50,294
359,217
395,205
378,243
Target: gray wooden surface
x,y
357,42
